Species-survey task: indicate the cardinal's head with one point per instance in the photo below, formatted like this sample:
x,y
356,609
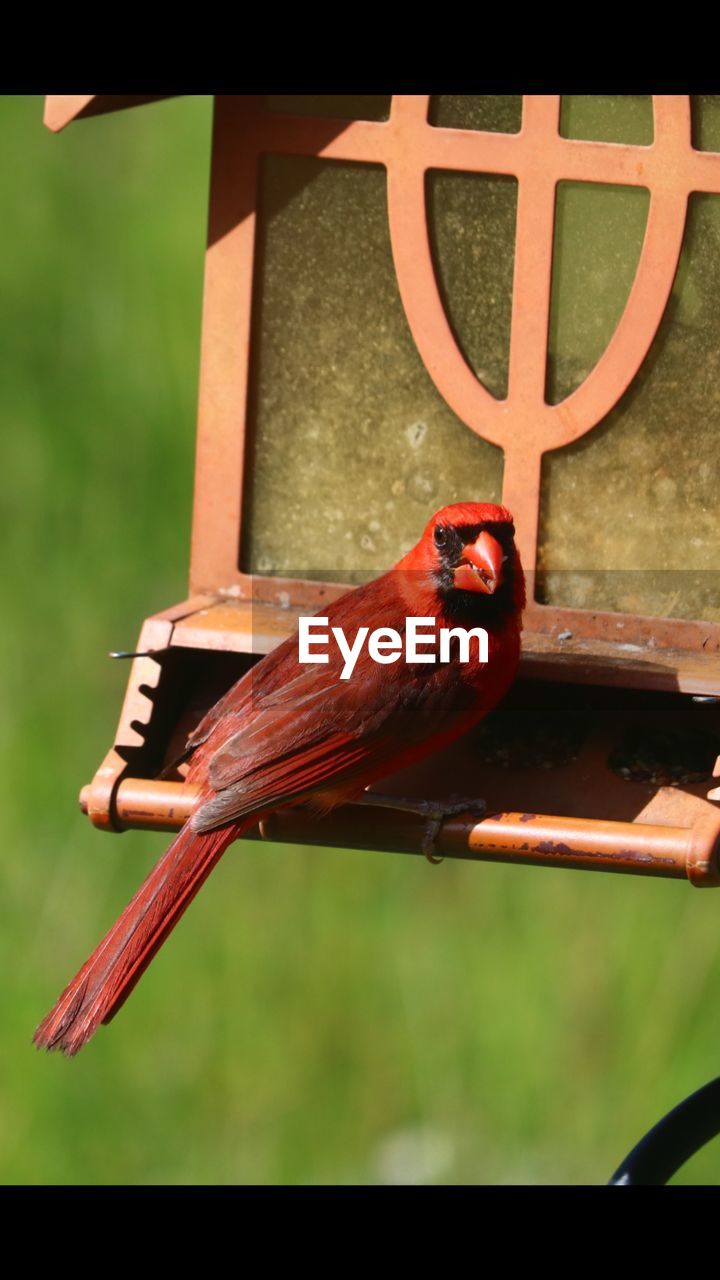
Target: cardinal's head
x,y
467,552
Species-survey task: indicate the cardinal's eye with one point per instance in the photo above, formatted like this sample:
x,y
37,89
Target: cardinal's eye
x,y
441,536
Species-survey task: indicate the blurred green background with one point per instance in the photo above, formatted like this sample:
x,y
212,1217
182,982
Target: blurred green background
x,y
320,1015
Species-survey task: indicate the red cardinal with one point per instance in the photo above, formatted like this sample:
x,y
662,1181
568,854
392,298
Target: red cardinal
x,y
289,733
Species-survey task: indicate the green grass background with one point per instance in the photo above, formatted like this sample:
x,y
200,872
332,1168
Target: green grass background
x,y
320,1015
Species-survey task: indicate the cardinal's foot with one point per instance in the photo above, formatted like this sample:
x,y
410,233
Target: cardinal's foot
x,y
438,812
434,811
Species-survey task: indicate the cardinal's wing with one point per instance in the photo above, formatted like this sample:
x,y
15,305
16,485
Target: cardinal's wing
x,y
276,671
318,729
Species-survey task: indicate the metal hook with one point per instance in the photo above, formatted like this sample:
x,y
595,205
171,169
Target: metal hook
x,y
127,653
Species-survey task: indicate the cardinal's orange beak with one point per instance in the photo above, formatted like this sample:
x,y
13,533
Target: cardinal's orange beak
x,y
481,566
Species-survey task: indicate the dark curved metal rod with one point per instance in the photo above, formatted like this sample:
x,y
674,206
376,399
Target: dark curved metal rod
x,y
672,1141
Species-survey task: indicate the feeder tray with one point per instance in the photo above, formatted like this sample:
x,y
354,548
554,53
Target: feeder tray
x,y
604,754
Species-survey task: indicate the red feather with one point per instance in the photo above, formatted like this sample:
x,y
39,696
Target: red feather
x,y
289,733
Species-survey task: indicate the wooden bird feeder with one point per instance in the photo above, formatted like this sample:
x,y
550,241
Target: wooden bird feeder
x,y
411,301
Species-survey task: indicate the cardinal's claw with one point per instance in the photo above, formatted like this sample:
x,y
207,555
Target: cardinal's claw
x,y
430,835
438,813
435,811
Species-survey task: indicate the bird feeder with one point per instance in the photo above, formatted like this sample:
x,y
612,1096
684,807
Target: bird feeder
x,y
415,300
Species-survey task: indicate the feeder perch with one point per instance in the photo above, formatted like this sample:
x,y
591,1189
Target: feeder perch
x,y
403,308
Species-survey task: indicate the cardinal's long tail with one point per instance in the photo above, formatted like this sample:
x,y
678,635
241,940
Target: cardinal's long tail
x,y
107,978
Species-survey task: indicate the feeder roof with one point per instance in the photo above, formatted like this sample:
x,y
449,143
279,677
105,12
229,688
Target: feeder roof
x,y
62,108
